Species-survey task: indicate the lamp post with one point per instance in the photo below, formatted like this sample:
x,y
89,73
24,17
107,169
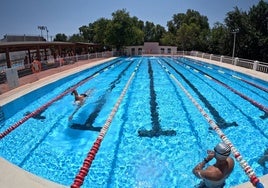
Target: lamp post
x,y
41,29
47,33
234,33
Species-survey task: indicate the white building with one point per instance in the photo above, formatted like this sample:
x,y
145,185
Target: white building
x,y
150,48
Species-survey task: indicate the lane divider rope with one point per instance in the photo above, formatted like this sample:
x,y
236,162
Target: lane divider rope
x,y
255,103
234,76
40,109
79,179
248,170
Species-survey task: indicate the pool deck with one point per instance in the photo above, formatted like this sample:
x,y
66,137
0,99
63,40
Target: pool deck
x,y
12,176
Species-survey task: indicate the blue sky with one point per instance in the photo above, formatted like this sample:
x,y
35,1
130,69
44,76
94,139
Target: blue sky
x,y
65,16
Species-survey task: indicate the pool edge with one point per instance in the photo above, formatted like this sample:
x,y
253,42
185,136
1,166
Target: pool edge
x,y
14,176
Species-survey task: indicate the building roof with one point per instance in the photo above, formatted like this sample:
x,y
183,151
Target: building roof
x,y
32,45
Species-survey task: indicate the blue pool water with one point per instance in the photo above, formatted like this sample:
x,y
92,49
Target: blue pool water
x,y
157,135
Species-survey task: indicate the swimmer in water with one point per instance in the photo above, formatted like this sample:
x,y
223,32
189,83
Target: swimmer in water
x,y
79,100
214,176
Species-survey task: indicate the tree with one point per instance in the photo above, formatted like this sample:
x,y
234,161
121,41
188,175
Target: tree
x,y
218,39
99,29
153,33
252,39
60,37
76,38
86,32
258,17
190,30
168,39
121,31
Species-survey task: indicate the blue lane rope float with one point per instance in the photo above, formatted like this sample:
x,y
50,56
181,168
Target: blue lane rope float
x,y
248,170
79,179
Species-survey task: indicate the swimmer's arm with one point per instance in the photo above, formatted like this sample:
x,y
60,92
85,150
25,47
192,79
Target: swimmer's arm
x,y
198,169
209,173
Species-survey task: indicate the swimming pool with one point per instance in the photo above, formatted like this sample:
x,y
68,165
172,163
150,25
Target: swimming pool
x,y
157,135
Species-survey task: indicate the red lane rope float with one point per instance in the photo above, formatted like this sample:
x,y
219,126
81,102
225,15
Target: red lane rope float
x,y
248,170
79,179
17,124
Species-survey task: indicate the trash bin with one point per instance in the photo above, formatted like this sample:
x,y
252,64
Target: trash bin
x,y
12,78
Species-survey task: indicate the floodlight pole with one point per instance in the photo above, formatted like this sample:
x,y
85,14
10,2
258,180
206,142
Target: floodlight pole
x,y
234,33
47,33
43,28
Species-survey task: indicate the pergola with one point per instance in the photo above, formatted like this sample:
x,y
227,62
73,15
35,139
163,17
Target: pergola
x,y
7,47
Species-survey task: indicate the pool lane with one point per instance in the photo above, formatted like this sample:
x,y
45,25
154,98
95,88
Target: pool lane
x,y
252,101
243,163
46,105
156,127
235,78
62,115
225,73
79,179
88,124
221,122
216,115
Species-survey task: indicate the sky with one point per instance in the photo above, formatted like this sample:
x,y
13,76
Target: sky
x,y
19,17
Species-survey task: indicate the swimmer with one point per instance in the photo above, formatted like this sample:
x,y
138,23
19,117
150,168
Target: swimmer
x,y
79,100
214,176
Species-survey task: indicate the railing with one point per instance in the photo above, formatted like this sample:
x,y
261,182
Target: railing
x,y
246,63
19,63
25,69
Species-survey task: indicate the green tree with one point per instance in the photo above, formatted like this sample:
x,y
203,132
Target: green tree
x,y
60,37
121,31
99,29
153,33
87,33
191,30
76,38
168,39
238,21
258,45
218,39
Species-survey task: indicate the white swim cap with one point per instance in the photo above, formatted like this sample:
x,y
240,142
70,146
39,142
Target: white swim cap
x,y
222,151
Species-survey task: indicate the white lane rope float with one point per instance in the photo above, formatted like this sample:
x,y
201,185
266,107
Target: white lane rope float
x,y
243,163
79,179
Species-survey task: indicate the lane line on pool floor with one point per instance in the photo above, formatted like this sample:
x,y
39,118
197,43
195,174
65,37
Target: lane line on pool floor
x,y
40,109
243,163
255,103
79,179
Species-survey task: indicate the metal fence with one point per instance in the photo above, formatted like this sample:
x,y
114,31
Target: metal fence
x,y
26,69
